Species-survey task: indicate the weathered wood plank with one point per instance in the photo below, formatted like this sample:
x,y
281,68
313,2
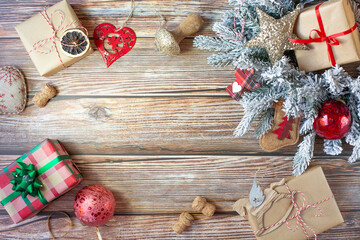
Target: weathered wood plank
x,y
92,12
133,227
128,126
133,126
168,184
220,226
140,106
142,72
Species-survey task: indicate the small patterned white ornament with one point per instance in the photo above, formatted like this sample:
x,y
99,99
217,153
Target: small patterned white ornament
x,y
256,195
12,91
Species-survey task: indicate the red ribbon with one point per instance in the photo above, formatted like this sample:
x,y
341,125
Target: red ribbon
x,y
330,40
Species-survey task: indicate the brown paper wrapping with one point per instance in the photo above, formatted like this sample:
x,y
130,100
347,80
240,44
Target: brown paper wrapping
x,y
337,16
36,29
277,206
269,142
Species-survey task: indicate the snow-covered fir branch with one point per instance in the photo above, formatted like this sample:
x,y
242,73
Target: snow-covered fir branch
x,y
333,147
303,93
304,154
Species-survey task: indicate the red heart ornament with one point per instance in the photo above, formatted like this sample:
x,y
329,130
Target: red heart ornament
x,y
121,41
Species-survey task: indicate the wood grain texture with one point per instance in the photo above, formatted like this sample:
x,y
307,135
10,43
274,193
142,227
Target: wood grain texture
x,y
159,125
168,184
121,227
156,130
142,72
93,12
151,191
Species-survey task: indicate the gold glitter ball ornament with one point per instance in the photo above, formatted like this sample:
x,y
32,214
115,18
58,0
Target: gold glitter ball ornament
x,y
275,33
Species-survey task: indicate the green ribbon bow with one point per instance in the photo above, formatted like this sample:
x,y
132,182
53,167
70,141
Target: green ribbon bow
x,y
25,180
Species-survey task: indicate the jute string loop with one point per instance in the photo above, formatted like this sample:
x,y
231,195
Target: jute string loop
x,y
49,225
129,16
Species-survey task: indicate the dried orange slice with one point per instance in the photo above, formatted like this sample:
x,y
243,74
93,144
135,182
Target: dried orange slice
x,y
74,43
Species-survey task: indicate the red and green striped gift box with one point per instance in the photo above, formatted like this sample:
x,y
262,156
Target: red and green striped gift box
x,y
35,179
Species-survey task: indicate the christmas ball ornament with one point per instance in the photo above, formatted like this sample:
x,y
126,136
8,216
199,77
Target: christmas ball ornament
x,y
333,121
94,205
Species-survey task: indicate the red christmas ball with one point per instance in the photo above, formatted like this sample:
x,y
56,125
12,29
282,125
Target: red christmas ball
x,y
94,205
333,121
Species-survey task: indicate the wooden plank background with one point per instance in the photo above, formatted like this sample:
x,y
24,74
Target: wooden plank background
x,y
156,130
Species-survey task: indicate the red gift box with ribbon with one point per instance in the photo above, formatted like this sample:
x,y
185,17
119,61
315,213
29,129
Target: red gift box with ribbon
x,y
330,31
35,179
294,208
41,35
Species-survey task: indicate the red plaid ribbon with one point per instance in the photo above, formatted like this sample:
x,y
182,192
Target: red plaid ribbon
x,y
243,83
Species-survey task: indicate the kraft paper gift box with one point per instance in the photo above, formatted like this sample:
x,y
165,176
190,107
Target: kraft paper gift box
x,y
54,174
36,29
337,17
278,218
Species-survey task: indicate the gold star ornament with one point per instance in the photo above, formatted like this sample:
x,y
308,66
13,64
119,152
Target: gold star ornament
x,y
274,35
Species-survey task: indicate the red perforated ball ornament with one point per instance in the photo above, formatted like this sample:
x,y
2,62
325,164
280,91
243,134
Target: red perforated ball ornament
x,y
333,121
94,205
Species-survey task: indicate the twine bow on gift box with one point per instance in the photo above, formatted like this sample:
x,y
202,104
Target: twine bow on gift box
x,y
299,220
330,40
55,30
